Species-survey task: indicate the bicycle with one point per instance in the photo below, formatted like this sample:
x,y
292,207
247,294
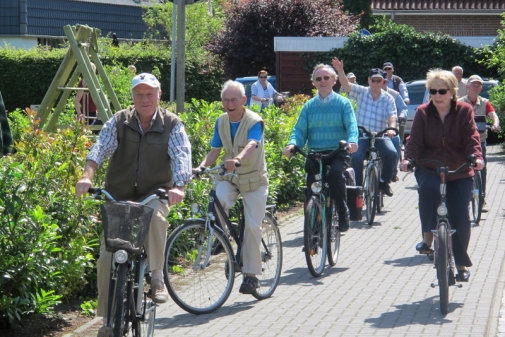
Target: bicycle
x,y
125,227
374,198
200,260
321,237
477,201
443,255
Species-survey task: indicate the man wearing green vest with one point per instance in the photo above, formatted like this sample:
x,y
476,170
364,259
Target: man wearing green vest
x,y
239,132
148,148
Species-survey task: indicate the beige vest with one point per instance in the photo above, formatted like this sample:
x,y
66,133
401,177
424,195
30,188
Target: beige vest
x,y
253,170
479,109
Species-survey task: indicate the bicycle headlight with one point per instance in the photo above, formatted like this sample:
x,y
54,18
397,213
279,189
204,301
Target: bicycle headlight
x,y
442,210
121,256
195,209
316,186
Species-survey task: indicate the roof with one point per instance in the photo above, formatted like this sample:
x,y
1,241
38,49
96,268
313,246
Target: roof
x,y
445,5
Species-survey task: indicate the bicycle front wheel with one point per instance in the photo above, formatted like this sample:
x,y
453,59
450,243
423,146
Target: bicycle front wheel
x,y
271,257
333,235
315,237
119,309
477,201
371,190
197,281
443,267
145,327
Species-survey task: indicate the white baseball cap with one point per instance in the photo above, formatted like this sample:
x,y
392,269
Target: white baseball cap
x,y
146,78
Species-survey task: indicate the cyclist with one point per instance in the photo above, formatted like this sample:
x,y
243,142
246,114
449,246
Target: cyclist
x,y
324,121
481,107
148,149
239,131
444,131
376,111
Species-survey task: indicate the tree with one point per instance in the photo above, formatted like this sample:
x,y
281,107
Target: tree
x,y
362,8
246,44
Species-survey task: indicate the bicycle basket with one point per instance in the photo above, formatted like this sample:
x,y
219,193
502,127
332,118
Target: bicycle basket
x,y
125,226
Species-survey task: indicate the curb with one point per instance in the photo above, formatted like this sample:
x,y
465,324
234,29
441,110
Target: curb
x,y
84,327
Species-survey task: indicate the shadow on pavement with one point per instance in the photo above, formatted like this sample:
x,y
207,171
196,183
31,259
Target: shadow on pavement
x,y
411,261
303,276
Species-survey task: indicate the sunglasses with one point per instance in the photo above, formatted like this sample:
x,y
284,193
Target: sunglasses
x,y
263,77
376,80
319,79
388,68
440,91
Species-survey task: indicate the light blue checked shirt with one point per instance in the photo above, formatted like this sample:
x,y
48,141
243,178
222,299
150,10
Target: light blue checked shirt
x,y
373,115
179,147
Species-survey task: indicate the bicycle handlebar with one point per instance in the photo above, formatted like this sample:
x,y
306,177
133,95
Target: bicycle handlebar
x,y
98,192
342,146
471,159
370,134
214,170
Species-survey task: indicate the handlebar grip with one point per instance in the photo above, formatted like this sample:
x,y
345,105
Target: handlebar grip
x,y
93,190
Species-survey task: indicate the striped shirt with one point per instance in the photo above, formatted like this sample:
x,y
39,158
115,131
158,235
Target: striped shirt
x,y
179,147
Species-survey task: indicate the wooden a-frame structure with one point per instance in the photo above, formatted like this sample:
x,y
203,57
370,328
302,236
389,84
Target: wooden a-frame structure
x,y
83,49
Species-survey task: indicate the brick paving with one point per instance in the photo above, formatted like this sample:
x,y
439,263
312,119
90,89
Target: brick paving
x,y
380,285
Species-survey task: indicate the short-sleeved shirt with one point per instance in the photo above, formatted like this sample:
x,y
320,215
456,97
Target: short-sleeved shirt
x,y
255,133
372,114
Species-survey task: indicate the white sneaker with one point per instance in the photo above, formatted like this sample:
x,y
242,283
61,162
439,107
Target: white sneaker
x,y
159,293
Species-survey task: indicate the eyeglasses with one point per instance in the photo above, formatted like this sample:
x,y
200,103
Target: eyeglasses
x,y
233,100
319,79
262,77
376,80
440,91
388,68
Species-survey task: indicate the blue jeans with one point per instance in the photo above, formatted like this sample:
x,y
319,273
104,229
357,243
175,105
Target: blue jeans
x,y
389,158
458,198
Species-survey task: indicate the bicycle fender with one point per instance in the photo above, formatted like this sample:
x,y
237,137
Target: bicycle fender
x,y
193,220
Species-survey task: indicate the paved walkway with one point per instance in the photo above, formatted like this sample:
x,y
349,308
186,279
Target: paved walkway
x,y
380,285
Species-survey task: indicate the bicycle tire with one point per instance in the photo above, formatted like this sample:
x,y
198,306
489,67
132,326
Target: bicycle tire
x,y
315,237
443,266
271,258
196,288
118,309
379,202
333,235
370,190
477,201
144,326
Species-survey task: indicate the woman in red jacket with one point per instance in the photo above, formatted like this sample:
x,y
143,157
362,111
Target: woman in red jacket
x,y
444,130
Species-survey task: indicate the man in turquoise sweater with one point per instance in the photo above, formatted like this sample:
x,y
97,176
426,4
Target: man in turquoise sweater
x,y
324,121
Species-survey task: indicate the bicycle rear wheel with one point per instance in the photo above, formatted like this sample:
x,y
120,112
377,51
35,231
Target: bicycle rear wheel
x,y
271,258
371,190
119,307
477,201
315,237
333,235
199,283
443,266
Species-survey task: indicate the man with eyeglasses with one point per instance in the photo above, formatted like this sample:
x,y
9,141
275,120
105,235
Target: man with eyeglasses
x,y
262,92
376,111
239,131
324,121
395,82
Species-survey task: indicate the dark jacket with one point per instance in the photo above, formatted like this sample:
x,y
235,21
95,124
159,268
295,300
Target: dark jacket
x,y
141,164
450,142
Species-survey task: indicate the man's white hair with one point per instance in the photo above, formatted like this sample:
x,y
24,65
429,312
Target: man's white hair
x,y
235,85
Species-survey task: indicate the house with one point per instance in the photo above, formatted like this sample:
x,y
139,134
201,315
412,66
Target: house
x,y
27,23
474,23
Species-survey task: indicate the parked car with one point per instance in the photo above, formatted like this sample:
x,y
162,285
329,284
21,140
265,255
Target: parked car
x,y
418,95
249,81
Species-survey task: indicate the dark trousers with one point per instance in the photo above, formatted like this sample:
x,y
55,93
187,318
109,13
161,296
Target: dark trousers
x,y
457,201
335,178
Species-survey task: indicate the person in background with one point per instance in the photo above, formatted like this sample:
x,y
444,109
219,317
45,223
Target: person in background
x,y
132,68
444,132
5,131
324,121
262,92
148,148
351,78
84,105
376,111
458,72
395,82
115,41
481,107
239,132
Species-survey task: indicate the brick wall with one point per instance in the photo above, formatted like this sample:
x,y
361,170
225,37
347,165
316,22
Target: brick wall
x,y
455,25
291,75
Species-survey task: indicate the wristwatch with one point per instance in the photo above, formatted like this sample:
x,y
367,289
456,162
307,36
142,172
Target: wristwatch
x,y
179,184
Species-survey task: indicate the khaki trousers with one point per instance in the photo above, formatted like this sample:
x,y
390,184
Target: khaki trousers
x,y
254,212
155,247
